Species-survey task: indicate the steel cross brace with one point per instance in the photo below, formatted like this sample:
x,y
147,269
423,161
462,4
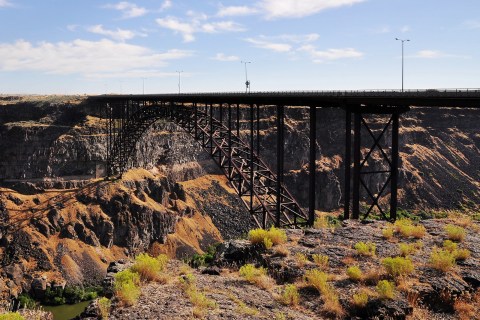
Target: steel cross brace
x,y
360,160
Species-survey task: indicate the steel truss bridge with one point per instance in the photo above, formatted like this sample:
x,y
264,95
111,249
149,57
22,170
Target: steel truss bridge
x,y
213,119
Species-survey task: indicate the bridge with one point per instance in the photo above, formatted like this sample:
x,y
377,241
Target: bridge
x,y
213,119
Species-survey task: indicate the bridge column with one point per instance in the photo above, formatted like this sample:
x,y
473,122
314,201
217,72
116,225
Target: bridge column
x,y
312,165
347,161
280,159
361,170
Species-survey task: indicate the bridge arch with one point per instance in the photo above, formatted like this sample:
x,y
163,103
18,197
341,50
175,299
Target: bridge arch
x,y
262,192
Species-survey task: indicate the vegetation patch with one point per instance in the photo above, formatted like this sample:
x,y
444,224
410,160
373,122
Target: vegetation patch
x,y
317,279
290,295
200,260
385,289
354,273
275,236
360,299
388,232
398,266
442,259
407,249
104,305
320,260
11,316
406,228
257,276
127,287
148,267
455,233
365,248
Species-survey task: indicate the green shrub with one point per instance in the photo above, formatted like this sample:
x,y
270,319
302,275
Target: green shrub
x,y
354,273
385,289
398,266
442,259
11,316
320,260
317,279
290,295
360,299
104,305
455,233
25,301
365,248
127,287
199,260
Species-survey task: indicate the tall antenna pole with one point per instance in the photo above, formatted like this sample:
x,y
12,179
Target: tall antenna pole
x,y
247,83
179,80
403,41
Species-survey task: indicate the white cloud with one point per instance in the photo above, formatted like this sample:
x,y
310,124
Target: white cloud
x,y
129,10
119,34
330,54
223,57
166,4
381,30
435,54
283,42
197,25
297,8
5,3
73,27
236,11
274,46
104,58
405,29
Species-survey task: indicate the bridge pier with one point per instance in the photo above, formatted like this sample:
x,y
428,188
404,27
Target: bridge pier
x,y
354,187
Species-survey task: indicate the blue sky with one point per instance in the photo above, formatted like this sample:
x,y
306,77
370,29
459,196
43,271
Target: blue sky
x,y
102,46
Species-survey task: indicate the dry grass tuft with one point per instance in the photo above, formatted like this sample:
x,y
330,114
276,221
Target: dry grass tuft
x,y
257,276
320,260
149,268
301,259
398,266
464,310
385,289
281,251
354,273
290,295
271,237
455,233
360,299
442,259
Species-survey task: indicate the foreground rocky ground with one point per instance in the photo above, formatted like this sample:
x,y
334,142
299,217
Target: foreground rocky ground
x,y
426,293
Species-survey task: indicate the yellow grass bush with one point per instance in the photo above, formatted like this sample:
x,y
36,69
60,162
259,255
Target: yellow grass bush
x,y
317,279
290,295
301,259
455,233
250,272
442,259
11,316
275,236
149,267
104,305
354,273
398,266
365,248
407,249
360,299
385,289
320,260
387,232
407,229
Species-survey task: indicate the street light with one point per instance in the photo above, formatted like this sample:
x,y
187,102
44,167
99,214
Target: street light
x,y
143,85
179,82
247,83
403,41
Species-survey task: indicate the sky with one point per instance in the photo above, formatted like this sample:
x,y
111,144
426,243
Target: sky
x,y
146,46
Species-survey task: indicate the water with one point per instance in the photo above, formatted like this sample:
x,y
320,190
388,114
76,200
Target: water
x,y
67,311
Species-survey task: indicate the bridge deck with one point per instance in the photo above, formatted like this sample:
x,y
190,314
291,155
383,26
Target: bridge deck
x,y
428,98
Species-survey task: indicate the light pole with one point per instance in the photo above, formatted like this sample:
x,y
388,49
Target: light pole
x,y
403,41
179,73
247,83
